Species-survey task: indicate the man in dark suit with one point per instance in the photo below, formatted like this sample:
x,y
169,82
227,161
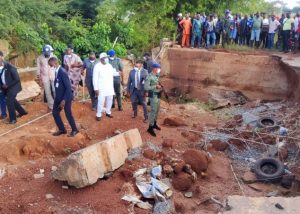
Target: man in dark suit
x,y
63,99
11,85
135,88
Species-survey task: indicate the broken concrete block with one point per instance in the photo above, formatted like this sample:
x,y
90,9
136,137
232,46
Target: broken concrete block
x,y
133,138
86,166
262,205
115,150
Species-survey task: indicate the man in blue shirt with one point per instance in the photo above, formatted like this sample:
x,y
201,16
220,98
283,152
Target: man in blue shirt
x,y
196,31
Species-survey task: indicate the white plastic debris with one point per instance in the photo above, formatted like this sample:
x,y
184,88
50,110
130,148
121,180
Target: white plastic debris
x,y
134,199
139,172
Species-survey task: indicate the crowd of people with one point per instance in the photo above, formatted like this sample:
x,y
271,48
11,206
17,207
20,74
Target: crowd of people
x,y
256,30
104,79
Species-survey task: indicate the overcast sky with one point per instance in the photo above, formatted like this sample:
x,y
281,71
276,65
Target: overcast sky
x,y
292,3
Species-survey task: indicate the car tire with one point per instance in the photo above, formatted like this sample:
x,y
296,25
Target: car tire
x,y
261,123
269,169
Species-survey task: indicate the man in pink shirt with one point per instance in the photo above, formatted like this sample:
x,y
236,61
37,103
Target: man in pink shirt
x,y
186,25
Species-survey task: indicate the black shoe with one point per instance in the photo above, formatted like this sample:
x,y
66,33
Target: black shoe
x,y
98,118
113,106
21,115
151,131
109,115
156,127
120,109
73,133
58,133
12,122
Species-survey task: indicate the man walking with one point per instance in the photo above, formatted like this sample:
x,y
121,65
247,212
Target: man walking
x,y
10,85
103,81
154,89
46,75
73,66
118,78
88,65
135,88
63,99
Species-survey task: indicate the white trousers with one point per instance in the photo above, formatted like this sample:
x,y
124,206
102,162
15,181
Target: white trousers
x,y
48,85
108,100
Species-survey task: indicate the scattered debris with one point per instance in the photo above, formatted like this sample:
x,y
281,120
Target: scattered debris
x,y
277,205
49,196
188,194
64,187
38,176
134,199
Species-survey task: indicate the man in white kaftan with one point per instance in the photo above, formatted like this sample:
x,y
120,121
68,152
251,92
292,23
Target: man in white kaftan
x,y
103,82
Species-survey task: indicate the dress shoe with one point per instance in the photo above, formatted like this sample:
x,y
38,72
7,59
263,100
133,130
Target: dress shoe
x,y
120,109
58,133
21,115
12,122
73,133
109,115
151,131
98,118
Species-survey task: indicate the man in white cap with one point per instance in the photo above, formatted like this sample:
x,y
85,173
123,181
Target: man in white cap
x,y
46,74
103,81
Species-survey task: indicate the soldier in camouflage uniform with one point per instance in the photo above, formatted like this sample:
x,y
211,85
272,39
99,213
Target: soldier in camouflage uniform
x,y
154,89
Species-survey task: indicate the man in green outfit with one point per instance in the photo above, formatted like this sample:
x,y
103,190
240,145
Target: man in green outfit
x,y
154,89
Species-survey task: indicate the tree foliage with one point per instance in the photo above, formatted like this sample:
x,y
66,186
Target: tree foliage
x,y
93,25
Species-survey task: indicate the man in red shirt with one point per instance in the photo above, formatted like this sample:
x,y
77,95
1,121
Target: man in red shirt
x,y
186,25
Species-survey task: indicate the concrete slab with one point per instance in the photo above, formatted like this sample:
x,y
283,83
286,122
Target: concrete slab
x,y
263,205
86,166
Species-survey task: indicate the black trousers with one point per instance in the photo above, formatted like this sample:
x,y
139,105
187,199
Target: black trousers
x,y
218,38
117,87
13,105
68,112
92,94
285,39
